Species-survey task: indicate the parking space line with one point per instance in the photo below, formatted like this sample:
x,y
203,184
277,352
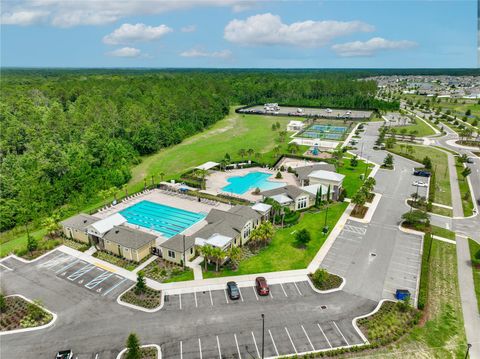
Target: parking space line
x,y
52,262
7,268
256,347
226,298
218,345
283,290
328,341
97,280
200,348
304,331
68,266
273,342
180,300
115,286
241,296
181,350
291,341
238,348
196,303
255,292
211,299
270,293
79,273
296,286
336,326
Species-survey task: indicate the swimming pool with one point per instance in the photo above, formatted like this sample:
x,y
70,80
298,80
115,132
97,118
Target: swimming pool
x,y
241,184
169,221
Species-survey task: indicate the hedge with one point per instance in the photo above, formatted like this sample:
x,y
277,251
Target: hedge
x,y
425,270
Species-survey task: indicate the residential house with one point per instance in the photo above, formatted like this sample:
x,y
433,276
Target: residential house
x,y
76,227
293,197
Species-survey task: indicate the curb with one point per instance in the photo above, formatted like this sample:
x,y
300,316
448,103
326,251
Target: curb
x,y
344,281
159,350
136,307
377,308
23,330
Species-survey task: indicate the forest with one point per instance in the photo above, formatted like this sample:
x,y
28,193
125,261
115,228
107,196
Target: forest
x,y
67,134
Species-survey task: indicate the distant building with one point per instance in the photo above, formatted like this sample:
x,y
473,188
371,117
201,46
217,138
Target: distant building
x,y
129,243
295,126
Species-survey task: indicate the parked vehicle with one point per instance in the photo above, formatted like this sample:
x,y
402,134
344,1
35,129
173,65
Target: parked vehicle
x,y
64,354
262,286
469,160
421,173
233,291
420,184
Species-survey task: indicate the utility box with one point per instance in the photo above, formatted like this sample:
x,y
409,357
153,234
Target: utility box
x,y
402,294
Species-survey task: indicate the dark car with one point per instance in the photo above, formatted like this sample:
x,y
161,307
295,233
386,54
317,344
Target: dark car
x,y
64,354
421,173
262,286
233,291
470,160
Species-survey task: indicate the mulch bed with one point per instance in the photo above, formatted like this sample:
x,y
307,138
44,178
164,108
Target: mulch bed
x,y
149,299
333,281
16,310
146,353
161,270
359,211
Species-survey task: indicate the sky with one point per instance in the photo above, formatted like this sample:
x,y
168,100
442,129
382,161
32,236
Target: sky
x,y
239,34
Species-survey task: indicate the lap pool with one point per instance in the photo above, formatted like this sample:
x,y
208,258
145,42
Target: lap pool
x,y
169,221
241,184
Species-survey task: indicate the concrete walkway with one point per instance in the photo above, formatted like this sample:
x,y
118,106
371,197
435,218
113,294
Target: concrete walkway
x,y
196,266
471,316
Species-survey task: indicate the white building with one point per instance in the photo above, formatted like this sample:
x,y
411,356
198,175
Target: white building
x,y
295,126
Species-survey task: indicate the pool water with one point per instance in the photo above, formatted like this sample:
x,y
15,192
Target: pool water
x,y
169,221
242,184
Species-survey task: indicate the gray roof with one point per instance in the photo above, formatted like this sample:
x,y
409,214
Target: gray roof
x,y
80,221
129,237
176,243
303,172
289,190
245,211
236,217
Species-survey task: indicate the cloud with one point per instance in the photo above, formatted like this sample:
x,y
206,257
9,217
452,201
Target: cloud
x,y
128,33
268,29
69,13
198,52
189,28
125,52
370,47
23,18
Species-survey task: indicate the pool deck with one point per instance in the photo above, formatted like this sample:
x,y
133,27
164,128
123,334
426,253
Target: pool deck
x,y
158,196
217,180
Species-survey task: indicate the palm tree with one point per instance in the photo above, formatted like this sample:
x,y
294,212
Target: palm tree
x,y
206,252
218,255
235,254
162,174
258,156
276,150
202,174
242,152
276,207
250,153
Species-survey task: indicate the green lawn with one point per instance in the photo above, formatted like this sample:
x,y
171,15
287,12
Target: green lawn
x,y
442,232
467,202
421,127
282,253
352,181
447,212
440,165
474,248
184,276
443,334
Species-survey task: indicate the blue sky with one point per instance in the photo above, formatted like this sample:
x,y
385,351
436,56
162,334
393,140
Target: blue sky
x,y
231,33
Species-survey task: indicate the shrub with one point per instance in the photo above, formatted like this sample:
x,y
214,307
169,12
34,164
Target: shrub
x,y
133,347
141,285
3,304
278,175
425,268
303,237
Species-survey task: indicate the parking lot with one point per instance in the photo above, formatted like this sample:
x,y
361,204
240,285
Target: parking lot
x,y
319,333
93,278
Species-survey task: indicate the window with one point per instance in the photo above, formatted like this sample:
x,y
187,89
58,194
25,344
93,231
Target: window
x,y
171,254
191,250
247,230
302,203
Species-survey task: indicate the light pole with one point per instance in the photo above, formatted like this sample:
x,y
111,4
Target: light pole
x,y
263,335
468,350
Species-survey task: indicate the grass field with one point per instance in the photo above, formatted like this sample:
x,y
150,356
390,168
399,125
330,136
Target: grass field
x,y
439,159
282,253
447,212
421,127
352,181
442,335
467,203
442,232
474,248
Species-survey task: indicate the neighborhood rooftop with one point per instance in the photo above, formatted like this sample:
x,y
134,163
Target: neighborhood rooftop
x,y
129,237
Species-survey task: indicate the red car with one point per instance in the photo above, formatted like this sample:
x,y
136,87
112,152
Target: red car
x,y
262,286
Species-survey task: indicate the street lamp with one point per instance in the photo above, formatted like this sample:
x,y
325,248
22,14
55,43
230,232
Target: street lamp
x,y
468,349
263,335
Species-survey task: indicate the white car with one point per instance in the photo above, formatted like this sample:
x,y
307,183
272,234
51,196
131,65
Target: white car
x,y
420,184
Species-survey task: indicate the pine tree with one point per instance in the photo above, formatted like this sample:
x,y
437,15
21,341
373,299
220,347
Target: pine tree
x,y
133,347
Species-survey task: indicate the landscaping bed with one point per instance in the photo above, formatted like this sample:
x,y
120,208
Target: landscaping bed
x,y
165,272
389,323
149,298
435,230
145,353
359,211
475,257
323,280
79,246
467,203
118,261
424,206
20,313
